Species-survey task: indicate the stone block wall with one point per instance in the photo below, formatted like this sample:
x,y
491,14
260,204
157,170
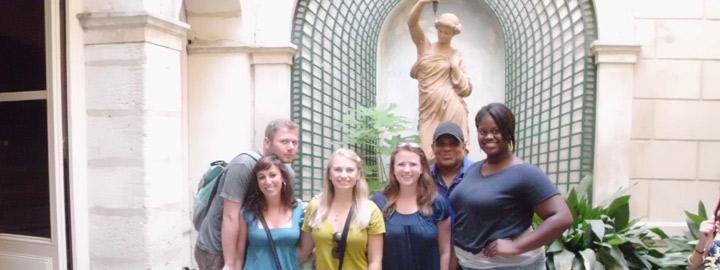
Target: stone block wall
x,y
676,102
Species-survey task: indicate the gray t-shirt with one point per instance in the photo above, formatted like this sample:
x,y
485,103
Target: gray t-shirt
x,y
232,187
496,206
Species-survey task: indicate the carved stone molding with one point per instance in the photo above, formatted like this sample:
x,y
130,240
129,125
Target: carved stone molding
x,y
110,28
260,54
615,53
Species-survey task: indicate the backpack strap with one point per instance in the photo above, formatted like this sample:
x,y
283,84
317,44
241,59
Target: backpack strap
x,y
217,185
252,154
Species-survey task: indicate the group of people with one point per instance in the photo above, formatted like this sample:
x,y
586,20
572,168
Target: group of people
x,y
451,214
448,215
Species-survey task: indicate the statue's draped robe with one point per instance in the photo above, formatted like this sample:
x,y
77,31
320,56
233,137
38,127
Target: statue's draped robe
x,y
442,85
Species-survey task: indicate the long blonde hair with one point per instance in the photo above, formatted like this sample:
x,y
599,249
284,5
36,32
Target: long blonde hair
x,y
426,190
361,203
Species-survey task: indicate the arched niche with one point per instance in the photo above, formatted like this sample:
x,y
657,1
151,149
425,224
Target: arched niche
x,y
481,43
547,78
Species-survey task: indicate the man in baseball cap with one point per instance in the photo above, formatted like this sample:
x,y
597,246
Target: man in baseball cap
x,y
448,147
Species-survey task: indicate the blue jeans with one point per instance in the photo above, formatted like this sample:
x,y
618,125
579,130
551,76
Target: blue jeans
x,y
538,264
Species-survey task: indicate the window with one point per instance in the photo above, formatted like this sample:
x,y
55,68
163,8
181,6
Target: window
x,y
24,165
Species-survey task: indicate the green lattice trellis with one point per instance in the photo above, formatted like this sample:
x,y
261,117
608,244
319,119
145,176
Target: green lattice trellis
x,y
550,79
333,74
550,83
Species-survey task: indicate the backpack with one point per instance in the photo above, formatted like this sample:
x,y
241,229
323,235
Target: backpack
x,y
207,188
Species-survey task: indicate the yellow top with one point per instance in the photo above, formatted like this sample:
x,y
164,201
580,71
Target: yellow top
x,y
356,247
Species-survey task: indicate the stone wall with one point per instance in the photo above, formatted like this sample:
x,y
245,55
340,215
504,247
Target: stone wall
x,y
676,101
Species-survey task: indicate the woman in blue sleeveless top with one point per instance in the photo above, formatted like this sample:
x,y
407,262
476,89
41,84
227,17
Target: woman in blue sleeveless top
x,y
417,219
271,194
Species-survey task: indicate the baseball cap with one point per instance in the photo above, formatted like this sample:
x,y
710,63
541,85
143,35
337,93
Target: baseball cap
x,y
449,128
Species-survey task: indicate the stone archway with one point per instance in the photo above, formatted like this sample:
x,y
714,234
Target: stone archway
x,y
549,75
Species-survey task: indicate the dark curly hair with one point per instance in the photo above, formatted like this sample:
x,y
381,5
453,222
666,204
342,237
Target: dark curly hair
x,y
255,199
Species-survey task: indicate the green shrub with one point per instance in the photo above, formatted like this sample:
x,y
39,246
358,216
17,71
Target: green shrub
x,y
604,237
374,132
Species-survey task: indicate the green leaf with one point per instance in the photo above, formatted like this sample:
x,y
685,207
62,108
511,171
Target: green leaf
x,y
613,258
696,219
536,220
584,188
555,246
550,263
589,258
645,263
659,232
693,229
701,211
616,241
678,245
619,210
563,260
577,264
572,201
598,227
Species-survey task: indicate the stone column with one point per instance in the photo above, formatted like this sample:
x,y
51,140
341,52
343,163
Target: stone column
x,y
234,91
271,74
613,123
220,105
135,165
220,100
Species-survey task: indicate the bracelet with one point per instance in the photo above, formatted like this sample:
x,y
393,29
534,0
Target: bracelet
x,y
689,260
700,252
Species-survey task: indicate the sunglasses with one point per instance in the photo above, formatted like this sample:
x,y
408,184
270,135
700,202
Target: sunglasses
x,y
336,252
408,144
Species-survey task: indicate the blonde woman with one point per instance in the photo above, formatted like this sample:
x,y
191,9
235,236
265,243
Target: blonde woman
x,y
344,198
416,217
